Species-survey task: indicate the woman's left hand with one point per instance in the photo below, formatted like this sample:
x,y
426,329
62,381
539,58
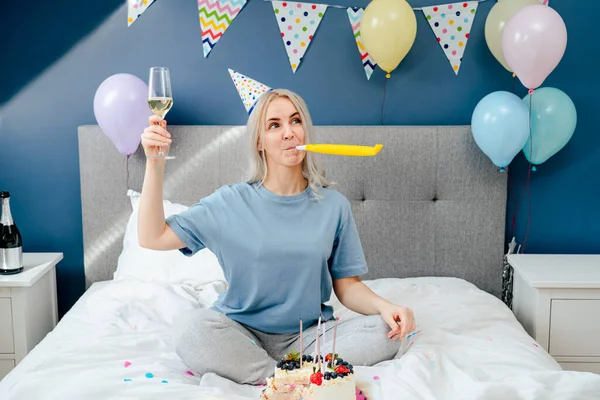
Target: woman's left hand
x,y
393,315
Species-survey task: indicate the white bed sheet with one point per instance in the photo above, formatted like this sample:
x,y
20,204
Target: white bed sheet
x,y
468,346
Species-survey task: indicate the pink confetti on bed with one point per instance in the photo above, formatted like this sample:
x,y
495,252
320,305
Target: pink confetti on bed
x,y
360,395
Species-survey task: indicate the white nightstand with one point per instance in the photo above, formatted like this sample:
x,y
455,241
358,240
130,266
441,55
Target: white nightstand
x,y
27,307
557,300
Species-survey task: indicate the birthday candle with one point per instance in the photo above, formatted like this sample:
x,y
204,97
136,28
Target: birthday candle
x,y
334,338
324,341
301,343
317,341
319,345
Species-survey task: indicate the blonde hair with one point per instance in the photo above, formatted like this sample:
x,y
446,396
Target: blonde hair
x,y
255,127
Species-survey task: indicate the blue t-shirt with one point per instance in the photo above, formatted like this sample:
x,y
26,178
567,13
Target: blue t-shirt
x,y
278,253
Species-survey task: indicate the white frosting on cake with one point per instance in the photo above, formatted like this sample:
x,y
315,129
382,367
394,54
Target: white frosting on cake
x,y
296,376
339,388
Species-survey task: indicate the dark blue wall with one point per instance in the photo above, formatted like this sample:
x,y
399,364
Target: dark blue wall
x,y
56,54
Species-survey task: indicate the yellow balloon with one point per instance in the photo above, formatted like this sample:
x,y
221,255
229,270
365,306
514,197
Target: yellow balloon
x,y
494,24
388,29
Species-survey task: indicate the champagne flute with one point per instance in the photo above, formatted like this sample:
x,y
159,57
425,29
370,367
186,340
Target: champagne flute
x,y
160,99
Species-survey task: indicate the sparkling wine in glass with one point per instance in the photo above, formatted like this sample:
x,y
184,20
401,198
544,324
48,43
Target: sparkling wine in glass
x,y
160,98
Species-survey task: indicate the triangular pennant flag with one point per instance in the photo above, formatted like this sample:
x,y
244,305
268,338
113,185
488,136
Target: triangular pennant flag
x,y
355,15
215,18
248,89
298,23
135,8
451,24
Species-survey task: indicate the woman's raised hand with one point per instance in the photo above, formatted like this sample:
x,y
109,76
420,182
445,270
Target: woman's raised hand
x,y
156,136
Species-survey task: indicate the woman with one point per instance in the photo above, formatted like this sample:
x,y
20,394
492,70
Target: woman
x,y
284,241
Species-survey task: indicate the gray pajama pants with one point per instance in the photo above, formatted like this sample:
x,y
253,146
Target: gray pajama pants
x,y
208,341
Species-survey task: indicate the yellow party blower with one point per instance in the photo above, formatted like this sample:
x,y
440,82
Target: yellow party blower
x,y
342,149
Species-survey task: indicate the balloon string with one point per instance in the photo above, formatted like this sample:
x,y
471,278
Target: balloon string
x,y
509,199
529,175
516,212
527,182
383,100
127,169
514,218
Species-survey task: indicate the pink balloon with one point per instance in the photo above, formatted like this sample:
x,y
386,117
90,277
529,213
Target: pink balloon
x,y
534,40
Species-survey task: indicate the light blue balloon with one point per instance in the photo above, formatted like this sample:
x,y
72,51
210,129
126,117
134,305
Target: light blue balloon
x,y
553,122
500,126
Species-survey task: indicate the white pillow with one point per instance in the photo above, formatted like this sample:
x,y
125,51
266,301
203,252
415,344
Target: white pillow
x,y
163,266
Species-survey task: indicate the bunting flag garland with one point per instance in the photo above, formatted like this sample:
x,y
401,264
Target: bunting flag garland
x,y
451,24
248,89
298,23
355,15
135,8
215,17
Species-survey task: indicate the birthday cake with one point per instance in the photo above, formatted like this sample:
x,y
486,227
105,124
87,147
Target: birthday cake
x,y
309,378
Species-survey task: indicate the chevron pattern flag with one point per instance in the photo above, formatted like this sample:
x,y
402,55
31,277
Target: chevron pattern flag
x,y
355,15
451,24
298,23
135,8
215,18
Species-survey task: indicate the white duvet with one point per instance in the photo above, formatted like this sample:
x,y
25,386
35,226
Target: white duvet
x,y
115,344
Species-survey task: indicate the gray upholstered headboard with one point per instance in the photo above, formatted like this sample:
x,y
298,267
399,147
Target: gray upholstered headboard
x,y
430,203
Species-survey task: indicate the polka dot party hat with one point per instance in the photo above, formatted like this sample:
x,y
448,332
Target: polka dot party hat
x,y
248,89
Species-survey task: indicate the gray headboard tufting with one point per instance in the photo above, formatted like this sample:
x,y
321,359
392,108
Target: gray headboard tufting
x,y
430,203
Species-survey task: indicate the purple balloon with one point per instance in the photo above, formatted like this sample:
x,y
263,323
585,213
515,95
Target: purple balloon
x,y
121,110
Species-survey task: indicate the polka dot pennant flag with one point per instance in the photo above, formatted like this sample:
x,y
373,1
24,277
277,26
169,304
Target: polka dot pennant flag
x,y
298,23
451,24
135,8
215,17
355,15
248,89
